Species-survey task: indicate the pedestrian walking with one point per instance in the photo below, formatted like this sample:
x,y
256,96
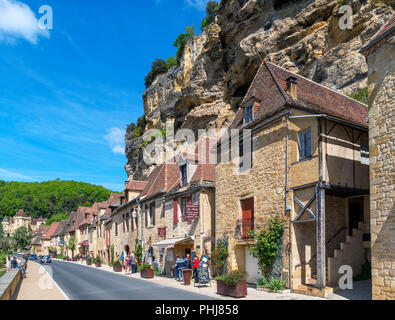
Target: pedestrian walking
x,y
133,263
179,265
127,263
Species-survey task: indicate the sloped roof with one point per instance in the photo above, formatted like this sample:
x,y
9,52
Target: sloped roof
x,y
161,179
204,172
52,228
5,219
387,29
269,88
59,230
20,213
136,185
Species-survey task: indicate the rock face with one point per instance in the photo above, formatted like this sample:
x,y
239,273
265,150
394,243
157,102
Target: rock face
x,y
219,64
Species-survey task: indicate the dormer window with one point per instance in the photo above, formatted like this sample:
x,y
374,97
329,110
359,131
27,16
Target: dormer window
x,y
248,113
183,175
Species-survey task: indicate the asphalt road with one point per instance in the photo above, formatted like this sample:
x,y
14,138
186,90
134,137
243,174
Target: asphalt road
x,y
82,283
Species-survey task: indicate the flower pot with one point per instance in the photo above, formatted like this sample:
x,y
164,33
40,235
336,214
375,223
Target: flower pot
x,y
238,290
88,263
98,264
117,268
147,273
64,259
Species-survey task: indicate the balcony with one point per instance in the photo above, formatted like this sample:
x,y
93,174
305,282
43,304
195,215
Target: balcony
x,y
242,228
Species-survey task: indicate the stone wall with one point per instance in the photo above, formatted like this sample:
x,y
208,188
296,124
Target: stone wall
x,y
382,148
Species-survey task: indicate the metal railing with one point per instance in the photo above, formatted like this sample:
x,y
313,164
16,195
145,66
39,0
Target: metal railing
x,y
243,226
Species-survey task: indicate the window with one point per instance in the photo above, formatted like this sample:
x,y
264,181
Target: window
x,y
152,213
247,222
365,151
305,144
184,202
248,114
245,160
116,228
183,175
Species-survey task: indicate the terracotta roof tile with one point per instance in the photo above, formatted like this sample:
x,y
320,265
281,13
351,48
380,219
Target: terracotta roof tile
x,y
385,30
51,230
161,179
136,185
269,87
20,213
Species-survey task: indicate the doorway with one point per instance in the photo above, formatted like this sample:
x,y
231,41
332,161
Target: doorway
x,y
251,267
355,213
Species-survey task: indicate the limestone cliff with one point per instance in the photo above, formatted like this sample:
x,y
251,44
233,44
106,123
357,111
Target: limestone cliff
x,y
219,64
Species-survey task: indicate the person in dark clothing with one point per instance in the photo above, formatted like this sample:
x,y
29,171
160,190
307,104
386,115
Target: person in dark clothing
x,y
14,263
187,262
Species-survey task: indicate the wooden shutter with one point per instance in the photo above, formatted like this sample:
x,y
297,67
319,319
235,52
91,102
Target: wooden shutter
x,y
247,207
175,211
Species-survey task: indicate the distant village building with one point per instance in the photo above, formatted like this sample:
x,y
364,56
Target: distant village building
x,y
21,219
310,166
380,54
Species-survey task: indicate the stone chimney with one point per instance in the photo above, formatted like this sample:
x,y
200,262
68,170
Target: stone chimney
x,y
292,87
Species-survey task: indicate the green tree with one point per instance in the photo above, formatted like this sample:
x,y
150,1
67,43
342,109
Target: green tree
x,y
138,253
182,40
48,198
72,245
212,8
159,66
171,61
22,238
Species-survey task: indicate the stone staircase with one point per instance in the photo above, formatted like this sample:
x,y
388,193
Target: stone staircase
x,y
351,252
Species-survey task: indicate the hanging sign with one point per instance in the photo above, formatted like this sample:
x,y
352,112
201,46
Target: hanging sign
x,y
162,232
191,211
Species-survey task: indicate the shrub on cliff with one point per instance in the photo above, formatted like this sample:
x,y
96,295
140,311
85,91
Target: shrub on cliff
x,y
159,66
182,40
212,8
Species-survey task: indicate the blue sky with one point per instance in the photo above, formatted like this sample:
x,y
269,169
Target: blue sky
x,y
67,94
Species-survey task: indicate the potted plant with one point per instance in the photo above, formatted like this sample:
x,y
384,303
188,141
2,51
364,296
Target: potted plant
x,y
232,284
97,262
146,271
117,266
88,261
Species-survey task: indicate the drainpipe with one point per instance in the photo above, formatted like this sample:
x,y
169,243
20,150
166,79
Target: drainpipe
x,y
287,208
139,205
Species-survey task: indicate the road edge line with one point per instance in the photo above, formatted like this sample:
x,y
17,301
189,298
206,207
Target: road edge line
x,y
56,284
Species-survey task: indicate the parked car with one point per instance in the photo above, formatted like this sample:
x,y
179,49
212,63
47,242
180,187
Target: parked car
x,y
46,259
33,257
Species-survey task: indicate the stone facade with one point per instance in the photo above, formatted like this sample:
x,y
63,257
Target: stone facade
x,y
381,78
20,219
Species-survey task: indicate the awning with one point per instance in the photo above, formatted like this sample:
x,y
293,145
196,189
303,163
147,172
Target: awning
x,y
170,243
84,243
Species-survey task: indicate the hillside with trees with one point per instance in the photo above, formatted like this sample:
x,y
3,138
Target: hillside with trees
x,y
51,199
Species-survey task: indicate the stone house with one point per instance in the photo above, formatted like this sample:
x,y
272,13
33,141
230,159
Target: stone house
x,y
101,212
309,165
21,219
380,54
171,212
46,238
57,238
122,228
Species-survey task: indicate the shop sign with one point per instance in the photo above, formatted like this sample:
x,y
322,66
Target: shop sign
x,y
192,211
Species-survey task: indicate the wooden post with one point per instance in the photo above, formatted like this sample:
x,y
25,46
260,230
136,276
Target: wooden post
x,y
321,252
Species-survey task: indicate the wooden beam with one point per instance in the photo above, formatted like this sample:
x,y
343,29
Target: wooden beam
x,y
305,207
321,246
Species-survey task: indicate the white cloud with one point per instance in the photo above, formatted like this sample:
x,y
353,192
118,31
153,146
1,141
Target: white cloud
x,y
10,175
17,20
116,139
198,4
